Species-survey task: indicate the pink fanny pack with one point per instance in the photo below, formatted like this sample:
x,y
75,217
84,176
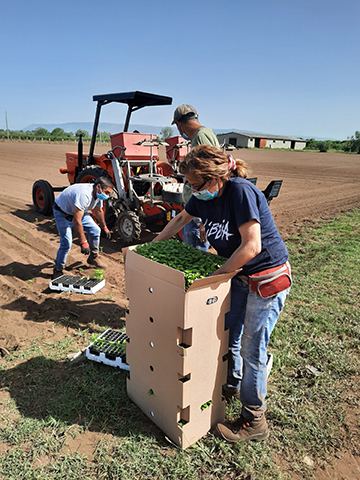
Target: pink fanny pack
x,y
270,282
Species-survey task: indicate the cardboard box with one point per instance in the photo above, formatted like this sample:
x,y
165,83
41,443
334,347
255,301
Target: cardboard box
x,y
177,348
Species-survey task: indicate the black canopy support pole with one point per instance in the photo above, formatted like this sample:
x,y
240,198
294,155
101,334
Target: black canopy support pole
x,y
95,129
127,121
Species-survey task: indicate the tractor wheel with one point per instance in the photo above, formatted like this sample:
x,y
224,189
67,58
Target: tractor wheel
x,y
89,175
43,197
128,227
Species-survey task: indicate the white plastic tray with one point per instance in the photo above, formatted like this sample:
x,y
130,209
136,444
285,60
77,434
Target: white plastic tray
x,y
68,283
108,353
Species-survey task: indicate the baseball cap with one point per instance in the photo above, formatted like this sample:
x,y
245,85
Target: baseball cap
x,y
183,110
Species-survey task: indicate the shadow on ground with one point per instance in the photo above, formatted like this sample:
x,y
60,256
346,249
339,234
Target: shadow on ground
x,y
87,393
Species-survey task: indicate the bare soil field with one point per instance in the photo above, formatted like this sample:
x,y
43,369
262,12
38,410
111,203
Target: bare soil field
x,y
316,187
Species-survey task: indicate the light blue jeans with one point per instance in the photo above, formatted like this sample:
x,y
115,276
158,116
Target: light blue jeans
x,y
65,232
191,235
250,321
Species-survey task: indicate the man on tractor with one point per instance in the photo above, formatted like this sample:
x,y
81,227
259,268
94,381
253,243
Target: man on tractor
x,y
186,120
71,209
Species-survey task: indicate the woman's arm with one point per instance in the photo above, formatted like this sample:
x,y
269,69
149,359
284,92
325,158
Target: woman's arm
x,y
250,247
174,226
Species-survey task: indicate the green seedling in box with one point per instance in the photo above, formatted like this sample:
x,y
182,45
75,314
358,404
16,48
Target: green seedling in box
x,y
206,405
180,256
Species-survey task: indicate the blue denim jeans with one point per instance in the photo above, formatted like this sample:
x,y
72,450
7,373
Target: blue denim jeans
x,y
65,232
250,321
191,235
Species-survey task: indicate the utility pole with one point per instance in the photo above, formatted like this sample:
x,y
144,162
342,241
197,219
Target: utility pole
x,y
7,128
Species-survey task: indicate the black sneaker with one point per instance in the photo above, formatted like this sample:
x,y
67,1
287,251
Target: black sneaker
x,y
56,274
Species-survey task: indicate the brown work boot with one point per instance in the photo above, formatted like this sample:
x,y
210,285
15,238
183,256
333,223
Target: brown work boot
x,y
243,429
93,260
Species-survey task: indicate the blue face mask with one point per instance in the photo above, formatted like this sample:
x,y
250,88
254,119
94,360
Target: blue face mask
x,y
102,196
205,194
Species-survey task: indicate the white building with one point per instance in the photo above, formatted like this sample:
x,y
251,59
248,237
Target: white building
x,y
251,140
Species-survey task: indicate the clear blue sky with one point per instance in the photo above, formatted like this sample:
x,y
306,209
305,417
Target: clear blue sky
x,y
287,67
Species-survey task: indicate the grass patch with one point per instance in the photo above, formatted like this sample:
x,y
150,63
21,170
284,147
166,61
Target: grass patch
x,y
313,392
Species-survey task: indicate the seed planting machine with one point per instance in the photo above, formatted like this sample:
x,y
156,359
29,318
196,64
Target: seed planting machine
x,y
148,191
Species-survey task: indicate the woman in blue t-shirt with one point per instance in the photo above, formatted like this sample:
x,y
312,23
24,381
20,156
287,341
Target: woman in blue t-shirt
x,y
239,225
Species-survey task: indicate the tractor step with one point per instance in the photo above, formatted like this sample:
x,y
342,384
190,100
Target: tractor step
x,y
109,348
68,283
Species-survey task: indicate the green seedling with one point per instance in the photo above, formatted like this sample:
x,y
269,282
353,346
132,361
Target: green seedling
x,y
99,342
36,220
24,237
98,274
30,282
180,256
11,270
101,249
206,405
93,338
150,392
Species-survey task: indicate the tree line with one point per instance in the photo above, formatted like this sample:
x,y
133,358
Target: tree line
x,y
56,135
350,145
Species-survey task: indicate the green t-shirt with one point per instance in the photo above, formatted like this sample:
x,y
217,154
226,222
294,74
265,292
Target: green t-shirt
x,y
204,136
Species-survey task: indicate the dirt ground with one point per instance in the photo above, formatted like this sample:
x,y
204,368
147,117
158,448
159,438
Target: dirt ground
x,y
316,186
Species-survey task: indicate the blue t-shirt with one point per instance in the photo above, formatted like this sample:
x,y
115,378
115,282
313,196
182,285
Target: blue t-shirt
x,y
239,203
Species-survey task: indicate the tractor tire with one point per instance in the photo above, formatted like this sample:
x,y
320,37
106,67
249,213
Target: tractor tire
x,y
89,175
43,197
129,227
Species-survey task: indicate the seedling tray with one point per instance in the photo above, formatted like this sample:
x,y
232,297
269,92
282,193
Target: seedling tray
x,y
107,349
68,283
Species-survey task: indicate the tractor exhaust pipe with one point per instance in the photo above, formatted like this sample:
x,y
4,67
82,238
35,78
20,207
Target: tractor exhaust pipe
x,y
80,152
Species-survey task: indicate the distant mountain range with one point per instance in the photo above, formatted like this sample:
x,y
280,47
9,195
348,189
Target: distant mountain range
x,y
111,127
118,127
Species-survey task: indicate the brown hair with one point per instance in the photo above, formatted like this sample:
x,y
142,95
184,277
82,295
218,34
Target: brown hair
x,y
208,162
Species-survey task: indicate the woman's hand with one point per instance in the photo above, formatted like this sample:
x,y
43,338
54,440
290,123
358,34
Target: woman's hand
x,y
202,233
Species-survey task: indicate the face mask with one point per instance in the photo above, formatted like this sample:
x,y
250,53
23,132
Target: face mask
x,y
102,196
206,195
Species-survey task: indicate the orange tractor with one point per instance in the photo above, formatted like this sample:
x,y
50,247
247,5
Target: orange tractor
x,y
148,192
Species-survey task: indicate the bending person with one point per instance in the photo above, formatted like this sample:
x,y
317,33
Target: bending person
x,y
72,209
240,227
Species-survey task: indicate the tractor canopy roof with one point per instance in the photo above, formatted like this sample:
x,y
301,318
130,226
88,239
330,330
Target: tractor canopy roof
x,y
135,99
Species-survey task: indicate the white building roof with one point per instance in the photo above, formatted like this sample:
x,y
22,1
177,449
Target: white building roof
x,y
263,135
